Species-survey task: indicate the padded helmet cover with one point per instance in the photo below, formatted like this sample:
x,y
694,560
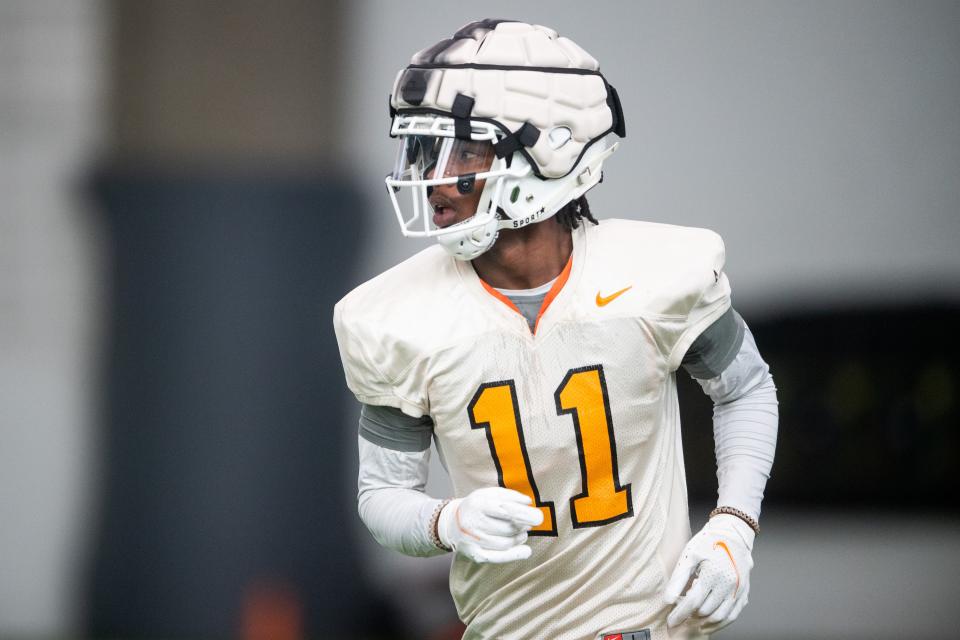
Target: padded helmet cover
x,y
516,73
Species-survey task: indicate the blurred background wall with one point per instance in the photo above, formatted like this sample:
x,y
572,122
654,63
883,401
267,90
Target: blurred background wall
x,y
189,186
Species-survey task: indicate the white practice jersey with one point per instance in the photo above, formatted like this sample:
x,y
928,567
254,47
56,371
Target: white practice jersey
x,y
581,415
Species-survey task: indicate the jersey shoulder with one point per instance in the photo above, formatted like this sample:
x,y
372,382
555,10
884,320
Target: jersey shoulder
x,y
409,301
388,324
669,267
666,244
401,283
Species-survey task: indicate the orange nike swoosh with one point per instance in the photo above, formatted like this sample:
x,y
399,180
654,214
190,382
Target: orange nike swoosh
x,y
461,527
723,545
604,301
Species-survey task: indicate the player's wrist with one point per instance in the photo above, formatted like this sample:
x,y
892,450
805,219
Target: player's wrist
x,y
743,516
439,523
734,527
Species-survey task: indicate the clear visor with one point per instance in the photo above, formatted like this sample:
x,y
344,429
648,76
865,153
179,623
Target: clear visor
x,y
424,157
431,158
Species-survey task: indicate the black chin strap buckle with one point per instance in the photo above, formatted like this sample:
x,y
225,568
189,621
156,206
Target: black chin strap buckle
x,y
465,183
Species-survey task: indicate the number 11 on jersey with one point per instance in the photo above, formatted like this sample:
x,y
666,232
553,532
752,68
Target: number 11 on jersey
x,y
494,408
583,395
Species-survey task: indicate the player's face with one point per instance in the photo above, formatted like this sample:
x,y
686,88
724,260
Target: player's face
x,y
449,205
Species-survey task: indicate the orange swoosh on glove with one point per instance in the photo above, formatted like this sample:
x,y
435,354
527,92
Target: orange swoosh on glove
x,y
723,545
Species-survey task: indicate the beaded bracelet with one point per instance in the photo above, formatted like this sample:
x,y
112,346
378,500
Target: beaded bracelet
x,y
434,522
739,514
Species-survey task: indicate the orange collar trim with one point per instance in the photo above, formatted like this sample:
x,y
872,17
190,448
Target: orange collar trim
x,y
551,295
499,296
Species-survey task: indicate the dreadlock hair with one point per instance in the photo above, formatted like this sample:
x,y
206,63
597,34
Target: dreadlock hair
x,y
573,212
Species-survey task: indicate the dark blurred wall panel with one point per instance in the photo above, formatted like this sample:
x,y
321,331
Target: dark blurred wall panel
x,y
869,409
225,509
224,426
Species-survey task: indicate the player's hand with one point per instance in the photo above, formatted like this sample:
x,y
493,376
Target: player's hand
x,y
718,560
489,525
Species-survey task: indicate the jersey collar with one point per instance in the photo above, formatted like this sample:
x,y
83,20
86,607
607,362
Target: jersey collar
x,y
556,299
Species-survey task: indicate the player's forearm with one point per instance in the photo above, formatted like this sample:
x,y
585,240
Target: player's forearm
x,y
745,437
745,420
391,501
400,519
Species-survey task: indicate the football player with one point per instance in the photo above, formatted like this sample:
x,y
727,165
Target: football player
x,y
537,349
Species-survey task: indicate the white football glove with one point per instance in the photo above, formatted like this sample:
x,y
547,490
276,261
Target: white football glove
x,y
718,562
489,525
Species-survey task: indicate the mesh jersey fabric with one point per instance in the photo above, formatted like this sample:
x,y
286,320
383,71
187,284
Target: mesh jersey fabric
x,y
586,407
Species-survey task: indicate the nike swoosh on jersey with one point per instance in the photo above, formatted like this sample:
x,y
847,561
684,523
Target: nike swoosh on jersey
x,y
603,301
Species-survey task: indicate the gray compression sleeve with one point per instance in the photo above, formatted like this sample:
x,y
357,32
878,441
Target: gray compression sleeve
x,y
392,429
716,347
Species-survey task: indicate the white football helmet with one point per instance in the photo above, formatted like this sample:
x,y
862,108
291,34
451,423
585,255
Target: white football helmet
x,y
507,104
